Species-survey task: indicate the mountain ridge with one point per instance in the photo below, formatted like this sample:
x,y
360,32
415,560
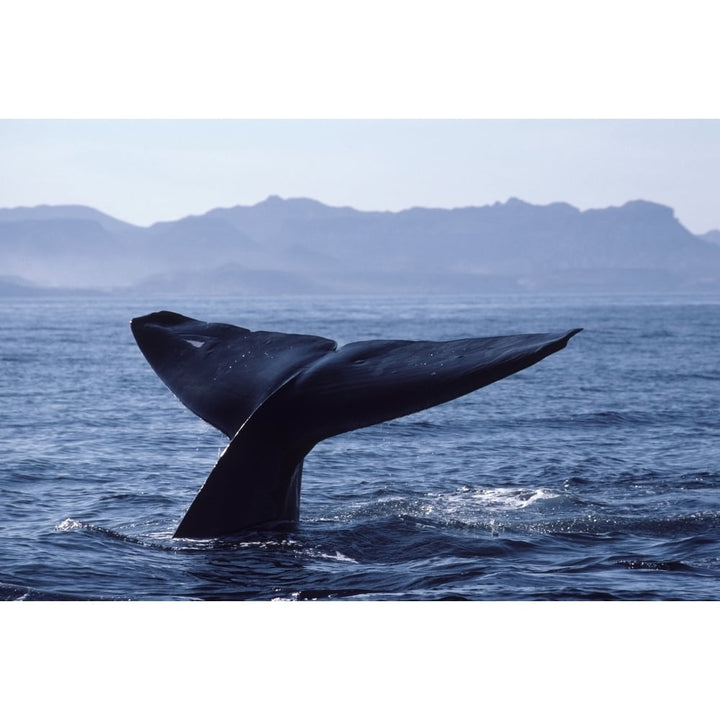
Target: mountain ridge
x,y
303,244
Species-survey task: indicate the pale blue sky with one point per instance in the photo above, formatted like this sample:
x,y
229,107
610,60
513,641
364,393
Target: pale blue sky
x,y
148,170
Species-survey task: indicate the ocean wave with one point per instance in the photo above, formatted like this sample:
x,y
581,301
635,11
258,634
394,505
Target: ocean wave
x,y
22,593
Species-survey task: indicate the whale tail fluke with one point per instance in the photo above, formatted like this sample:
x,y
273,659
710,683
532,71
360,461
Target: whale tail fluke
x,y
277,395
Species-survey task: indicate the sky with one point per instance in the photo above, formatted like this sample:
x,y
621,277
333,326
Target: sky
x,y
143,171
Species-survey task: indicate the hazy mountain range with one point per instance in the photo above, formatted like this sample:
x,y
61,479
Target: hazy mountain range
x,y
297,246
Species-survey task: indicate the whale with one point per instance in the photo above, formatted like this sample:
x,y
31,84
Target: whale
x,y
276,395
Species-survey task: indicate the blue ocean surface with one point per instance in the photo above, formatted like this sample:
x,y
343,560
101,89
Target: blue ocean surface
x,y
594,474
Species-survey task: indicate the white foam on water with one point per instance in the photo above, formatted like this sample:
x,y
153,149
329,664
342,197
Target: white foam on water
x,y
68,524
511,499
491,499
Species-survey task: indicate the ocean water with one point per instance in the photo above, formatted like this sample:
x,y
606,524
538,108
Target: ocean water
x,y
594,474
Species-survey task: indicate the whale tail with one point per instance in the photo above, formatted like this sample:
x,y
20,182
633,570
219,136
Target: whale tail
x,y
277,395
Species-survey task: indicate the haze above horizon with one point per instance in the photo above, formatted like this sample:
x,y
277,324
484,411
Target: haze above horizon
x,y
145,171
